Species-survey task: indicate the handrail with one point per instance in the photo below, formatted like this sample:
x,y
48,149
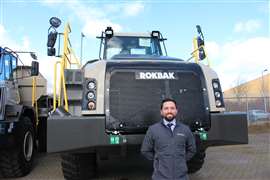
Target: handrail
x,y
65,63
54,85
34,100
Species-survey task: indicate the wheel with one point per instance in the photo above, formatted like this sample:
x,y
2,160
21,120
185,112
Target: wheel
x,y
42,135
18,161
77,166
196,162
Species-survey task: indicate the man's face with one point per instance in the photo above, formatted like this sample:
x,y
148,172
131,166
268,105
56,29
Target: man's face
x,y
168,111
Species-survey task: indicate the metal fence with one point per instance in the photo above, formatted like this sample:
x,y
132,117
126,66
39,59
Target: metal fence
x,y
250,105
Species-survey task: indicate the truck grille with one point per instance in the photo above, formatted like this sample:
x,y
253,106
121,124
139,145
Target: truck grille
x,y
134,104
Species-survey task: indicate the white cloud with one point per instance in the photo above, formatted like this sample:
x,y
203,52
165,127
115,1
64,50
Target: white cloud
x,y
46,68
248,26
132,9
95,20
94,28
124,9
25,42
213,49
23,45
46,64
240,59
6,40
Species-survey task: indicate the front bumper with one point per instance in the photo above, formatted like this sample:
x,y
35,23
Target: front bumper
x,y
69,133
227,129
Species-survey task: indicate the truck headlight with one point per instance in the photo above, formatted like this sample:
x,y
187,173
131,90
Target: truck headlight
x,y
218,103
90,95
217,93
91,85
215,85
91,105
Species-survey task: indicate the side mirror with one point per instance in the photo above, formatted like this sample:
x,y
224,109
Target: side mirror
x,y
51,51
52,36
200,45
202,54
34,68
200,41
55,22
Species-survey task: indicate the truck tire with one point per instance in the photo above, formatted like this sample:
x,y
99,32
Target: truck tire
x,y
77,166
18,161
42,135
196,162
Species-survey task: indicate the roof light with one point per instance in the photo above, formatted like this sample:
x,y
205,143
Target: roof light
x,y
155,34
109,32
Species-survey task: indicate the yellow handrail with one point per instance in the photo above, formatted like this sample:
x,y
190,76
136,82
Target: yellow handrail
x,y
54,86
34,100
65,63
195,53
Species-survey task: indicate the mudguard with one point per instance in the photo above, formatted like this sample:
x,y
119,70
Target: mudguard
x,y
66,133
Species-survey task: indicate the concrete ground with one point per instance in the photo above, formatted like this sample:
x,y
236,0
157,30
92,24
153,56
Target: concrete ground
x,y
240,162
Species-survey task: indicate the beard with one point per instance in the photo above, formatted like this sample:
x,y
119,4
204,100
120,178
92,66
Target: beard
x,y
169,117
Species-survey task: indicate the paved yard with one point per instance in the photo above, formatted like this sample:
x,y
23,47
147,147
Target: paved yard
x,y
239,162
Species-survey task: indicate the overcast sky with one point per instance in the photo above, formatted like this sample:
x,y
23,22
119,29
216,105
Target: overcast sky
x,y
237,32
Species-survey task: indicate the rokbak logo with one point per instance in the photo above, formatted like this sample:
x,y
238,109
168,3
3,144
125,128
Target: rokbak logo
x,y
156,75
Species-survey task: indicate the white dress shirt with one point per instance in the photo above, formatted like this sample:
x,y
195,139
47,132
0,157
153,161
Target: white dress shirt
x,y
172,122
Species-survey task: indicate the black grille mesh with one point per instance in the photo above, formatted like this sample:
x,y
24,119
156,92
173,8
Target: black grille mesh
x,y
135,103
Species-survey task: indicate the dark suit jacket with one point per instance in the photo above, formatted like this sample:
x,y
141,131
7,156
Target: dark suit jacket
x,y
169,150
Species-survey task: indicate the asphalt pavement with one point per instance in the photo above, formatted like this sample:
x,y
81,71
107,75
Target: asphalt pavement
x,y
239,162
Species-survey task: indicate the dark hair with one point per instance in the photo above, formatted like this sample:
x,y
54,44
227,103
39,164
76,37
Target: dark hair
x,y
168,100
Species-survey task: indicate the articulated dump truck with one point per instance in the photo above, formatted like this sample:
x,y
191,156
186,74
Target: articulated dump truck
x,y
107,105
23,113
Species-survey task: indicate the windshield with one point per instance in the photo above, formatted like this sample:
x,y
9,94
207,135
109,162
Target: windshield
x,y
126,46
8,63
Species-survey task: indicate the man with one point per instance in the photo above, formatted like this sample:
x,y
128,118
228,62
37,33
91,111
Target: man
x,y
169,144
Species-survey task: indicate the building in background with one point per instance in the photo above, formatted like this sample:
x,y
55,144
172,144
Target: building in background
x,y
254,94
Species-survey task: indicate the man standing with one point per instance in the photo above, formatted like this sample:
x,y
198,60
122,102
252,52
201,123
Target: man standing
x,y
169,144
